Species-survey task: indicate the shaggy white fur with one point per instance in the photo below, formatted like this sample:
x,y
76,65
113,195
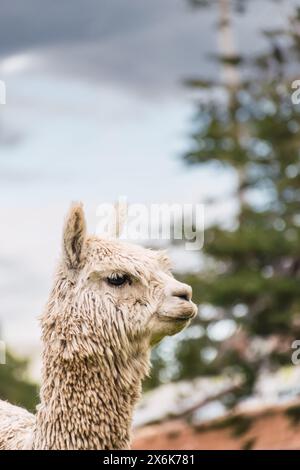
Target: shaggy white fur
x,y
111,302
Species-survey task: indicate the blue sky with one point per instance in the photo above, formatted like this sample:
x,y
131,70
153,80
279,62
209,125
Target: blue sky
x,y
96,109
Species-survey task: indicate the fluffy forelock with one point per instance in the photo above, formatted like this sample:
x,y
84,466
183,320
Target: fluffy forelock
x,y
117,256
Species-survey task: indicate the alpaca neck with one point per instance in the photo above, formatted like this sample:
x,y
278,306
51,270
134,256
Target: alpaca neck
x,y
89,388
86,404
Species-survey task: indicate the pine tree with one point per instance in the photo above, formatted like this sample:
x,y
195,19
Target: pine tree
x,y
250,283
15,386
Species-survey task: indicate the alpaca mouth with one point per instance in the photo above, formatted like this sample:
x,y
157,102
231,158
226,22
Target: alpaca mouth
x,y
176,315
184,318
179,318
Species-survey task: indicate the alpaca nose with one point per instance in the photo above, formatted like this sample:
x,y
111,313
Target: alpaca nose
x,y
183,291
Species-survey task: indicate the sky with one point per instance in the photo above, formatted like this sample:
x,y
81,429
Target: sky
x,y
96,109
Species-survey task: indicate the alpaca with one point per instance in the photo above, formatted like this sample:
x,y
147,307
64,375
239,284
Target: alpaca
x,y
110,303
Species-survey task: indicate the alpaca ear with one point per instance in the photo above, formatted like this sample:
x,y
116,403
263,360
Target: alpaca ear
x,y
74,236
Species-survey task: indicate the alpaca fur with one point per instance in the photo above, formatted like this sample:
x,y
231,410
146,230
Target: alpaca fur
x,y
96,342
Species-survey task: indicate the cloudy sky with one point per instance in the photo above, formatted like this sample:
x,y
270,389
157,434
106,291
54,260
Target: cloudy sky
x,y
96,109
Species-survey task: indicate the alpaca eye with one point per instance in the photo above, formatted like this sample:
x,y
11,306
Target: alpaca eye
x,y
118,280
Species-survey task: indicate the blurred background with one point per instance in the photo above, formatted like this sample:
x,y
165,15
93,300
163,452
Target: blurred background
x,y
185,101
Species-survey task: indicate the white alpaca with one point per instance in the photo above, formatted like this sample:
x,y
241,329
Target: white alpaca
x,y
111,302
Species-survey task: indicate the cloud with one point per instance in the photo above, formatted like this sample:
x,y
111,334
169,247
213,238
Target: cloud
x,y
26,24
16,63
146,45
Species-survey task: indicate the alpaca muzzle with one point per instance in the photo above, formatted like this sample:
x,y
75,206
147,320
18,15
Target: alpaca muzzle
x,y
178,306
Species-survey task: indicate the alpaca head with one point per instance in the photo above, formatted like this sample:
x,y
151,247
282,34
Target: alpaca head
x,y
112,296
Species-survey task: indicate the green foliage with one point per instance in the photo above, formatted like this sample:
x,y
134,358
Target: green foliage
x,y
249,444
239,424
14,384
293,413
